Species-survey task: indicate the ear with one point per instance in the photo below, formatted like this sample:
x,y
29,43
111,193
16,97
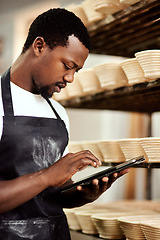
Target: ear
x,y
38,45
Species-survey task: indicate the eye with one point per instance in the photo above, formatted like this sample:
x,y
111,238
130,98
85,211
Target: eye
x,y
67,67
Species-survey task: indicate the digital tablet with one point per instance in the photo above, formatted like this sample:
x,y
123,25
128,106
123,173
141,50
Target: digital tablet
x,y
107,172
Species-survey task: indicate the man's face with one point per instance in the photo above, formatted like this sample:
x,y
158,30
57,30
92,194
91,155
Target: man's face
x,y
53,69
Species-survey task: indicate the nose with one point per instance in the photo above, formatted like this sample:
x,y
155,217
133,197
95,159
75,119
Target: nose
x,y
69,77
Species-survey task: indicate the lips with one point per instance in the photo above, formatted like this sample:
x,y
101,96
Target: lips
x,y
59,85
57,89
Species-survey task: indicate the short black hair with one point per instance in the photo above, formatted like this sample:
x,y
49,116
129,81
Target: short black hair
x,y
55,26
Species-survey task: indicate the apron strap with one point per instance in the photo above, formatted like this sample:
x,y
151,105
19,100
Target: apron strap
x,y
7,98
6,94
49,102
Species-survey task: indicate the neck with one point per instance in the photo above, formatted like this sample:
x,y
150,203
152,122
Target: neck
x,y
21,72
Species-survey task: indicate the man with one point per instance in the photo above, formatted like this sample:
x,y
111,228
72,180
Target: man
x,y
33,159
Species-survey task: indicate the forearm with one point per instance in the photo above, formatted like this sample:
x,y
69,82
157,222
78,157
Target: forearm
x,y
15,192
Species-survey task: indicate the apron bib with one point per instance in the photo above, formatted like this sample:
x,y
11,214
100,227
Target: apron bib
x,y
29,144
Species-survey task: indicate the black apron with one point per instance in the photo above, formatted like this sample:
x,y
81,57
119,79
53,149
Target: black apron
x,y
29,144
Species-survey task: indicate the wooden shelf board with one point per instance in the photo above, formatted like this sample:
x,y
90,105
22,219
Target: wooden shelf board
x,y
142,97
76,235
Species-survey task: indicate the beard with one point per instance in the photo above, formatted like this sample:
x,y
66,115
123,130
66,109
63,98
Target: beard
x,y
44,91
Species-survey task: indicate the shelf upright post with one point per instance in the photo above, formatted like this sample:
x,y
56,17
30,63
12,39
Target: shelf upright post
x,y
149,169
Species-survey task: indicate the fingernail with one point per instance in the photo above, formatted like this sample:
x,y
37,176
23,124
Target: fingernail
x,y
105,179
96,182
95,164
79,188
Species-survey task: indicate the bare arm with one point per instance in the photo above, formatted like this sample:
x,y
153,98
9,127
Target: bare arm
x,y
15,192
19,190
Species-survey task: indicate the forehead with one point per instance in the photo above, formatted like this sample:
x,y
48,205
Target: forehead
x,y
74,51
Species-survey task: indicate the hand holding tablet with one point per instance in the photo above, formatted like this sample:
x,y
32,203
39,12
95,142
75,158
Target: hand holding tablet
x,y
105,173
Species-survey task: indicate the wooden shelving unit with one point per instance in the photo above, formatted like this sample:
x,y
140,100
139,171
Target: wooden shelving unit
x,y
134,29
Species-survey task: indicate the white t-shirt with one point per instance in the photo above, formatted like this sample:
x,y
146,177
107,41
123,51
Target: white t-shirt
x,y
28,104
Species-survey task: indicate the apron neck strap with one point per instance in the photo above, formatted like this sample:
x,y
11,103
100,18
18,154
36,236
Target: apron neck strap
x,y
49,102
6,94
7,97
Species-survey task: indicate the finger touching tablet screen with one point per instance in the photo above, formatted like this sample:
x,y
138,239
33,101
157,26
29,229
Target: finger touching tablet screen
x,y
105,173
